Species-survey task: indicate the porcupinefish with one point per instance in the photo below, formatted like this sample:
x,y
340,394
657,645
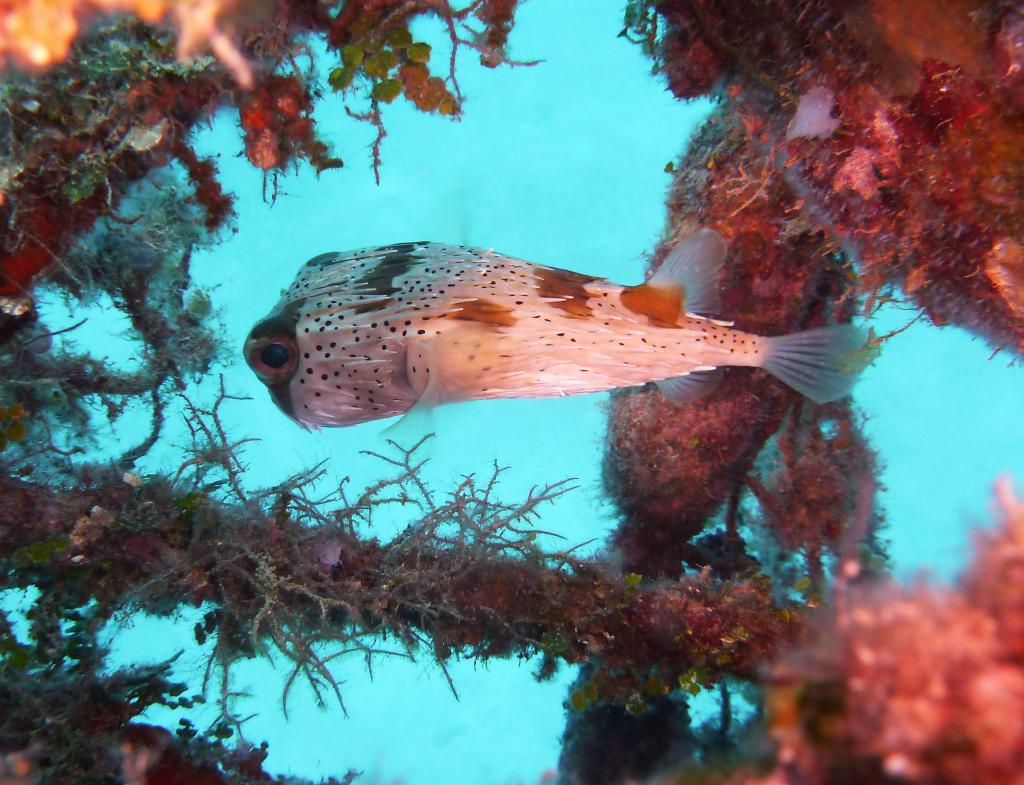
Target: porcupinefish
x,y
377,332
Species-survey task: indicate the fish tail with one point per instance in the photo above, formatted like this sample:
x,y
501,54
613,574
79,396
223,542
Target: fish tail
x,y
818,363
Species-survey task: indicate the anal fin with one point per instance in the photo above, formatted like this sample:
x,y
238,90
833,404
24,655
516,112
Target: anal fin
x,y
411,426
691,386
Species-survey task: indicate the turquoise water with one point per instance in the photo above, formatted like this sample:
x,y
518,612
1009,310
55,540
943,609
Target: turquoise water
x,y
561,164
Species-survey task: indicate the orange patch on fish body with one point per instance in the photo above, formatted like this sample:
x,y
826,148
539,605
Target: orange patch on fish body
x,y
663,305
484,312
567,290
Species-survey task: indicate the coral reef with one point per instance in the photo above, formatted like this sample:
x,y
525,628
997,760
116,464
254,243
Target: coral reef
x,y
137,259
464,568
912,684
753,471
779,277
74,725
914,169
860,149
279,571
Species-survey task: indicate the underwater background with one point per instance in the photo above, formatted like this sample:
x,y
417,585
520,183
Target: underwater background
x,y
562,163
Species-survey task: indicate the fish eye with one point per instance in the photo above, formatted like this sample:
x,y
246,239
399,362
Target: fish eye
x,y
272,359
275,355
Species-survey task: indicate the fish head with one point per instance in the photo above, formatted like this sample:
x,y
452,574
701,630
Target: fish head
x,y
349,341
272,352
323,369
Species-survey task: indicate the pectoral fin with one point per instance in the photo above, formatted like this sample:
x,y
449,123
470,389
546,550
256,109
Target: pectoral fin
x,y
425,383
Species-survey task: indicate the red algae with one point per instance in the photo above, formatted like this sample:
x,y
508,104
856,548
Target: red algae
x,y
276,119
498,16
813,488
671,467
79,148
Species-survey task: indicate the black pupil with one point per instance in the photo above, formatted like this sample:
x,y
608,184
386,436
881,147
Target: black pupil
x,y
275,355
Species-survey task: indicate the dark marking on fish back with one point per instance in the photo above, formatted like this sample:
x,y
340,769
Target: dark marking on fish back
x,y
569,287
409,247
662,305
484,312
380,279
278,324
324,259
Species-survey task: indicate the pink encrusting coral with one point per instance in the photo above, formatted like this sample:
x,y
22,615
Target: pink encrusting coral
x,y
917,684
995,582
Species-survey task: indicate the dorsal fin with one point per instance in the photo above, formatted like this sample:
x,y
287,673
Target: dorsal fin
x,y
694,264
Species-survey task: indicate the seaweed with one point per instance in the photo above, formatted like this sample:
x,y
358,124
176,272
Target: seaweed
x,y
282,571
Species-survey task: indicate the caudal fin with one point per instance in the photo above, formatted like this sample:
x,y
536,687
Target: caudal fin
x,y
811,361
